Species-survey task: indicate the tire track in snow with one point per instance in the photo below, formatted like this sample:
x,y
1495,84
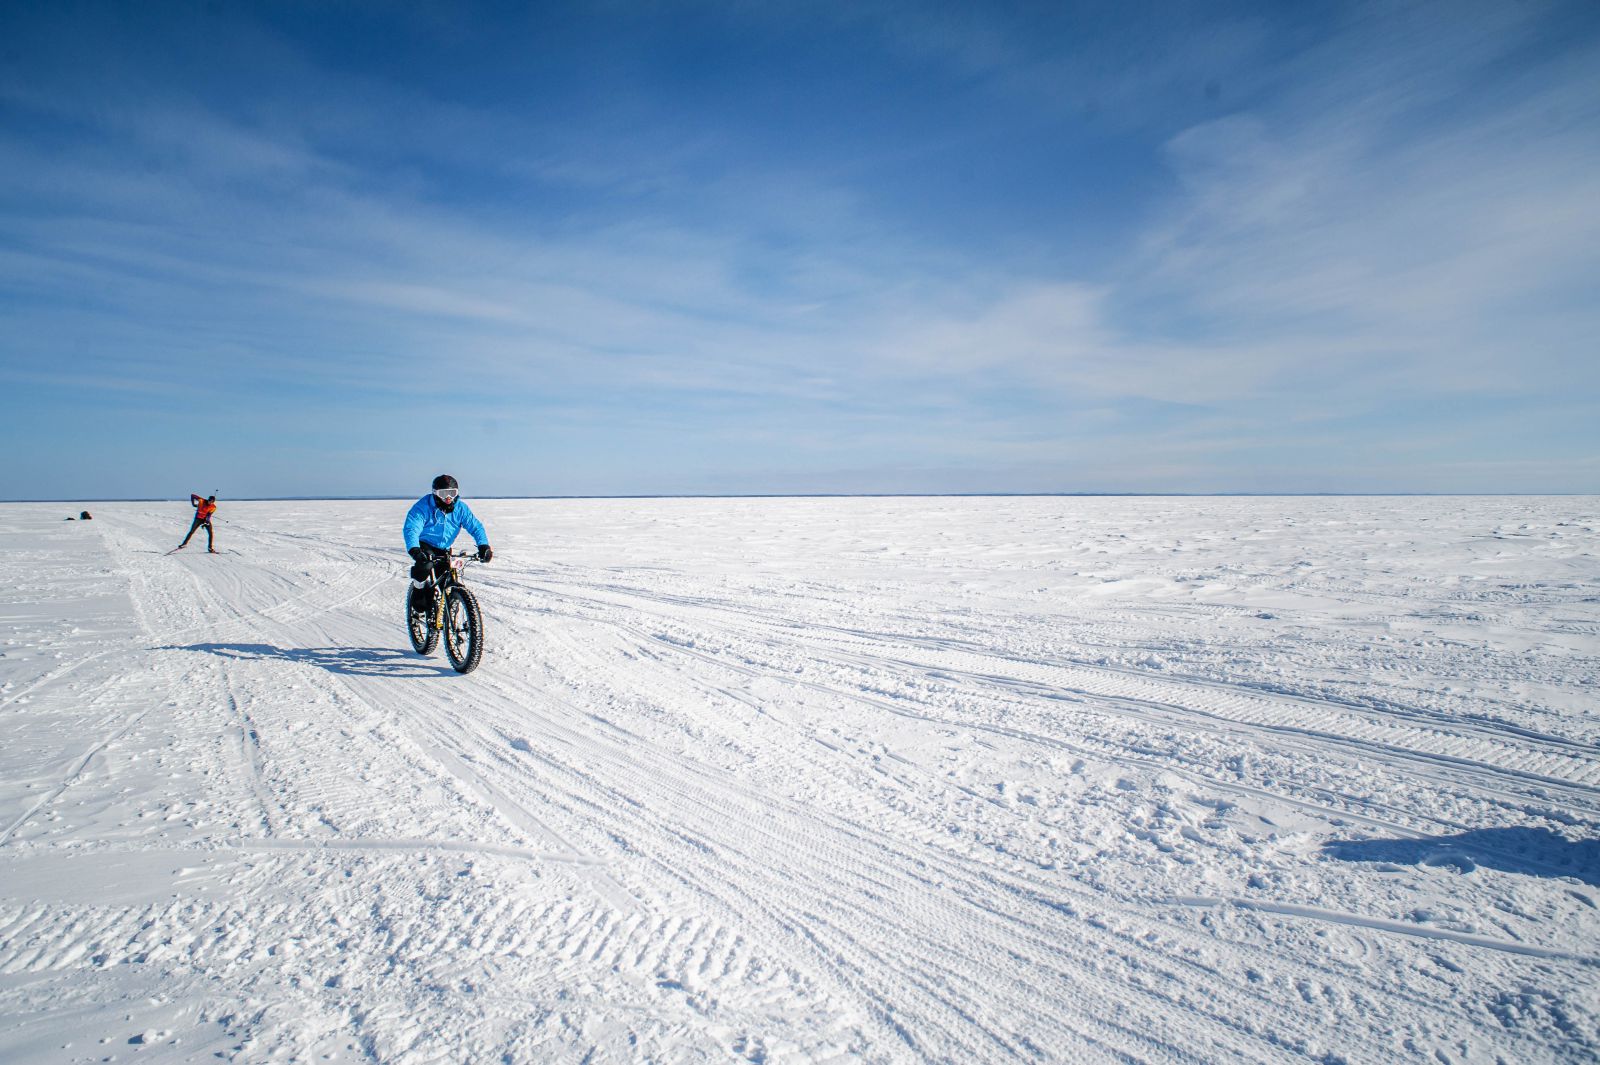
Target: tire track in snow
x,y
702,861
1377,924
461,764
1399,822
1265,960
78,767
1084,746
129,700
1438,766
249,753
1331,806
1569,765
1524,752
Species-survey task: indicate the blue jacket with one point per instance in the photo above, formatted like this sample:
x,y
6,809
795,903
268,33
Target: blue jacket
x,y
427,523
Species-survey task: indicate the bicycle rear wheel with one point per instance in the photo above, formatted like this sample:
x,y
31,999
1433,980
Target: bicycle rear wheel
x,y
463,630
424,637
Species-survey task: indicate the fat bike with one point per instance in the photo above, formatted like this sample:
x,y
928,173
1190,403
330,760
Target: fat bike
x,y
455,615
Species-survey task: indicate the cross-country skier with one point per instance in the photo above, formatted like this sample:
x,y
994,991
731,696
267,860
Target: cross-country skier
x,y
432,525
203,509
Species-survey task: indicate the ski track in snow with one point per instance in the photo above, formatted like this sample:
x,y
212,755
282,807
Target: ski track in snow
x,y
890,780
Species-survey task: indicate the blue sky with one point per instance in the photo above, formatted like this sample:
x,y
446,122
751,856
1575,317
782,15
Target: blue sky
x,y
617,248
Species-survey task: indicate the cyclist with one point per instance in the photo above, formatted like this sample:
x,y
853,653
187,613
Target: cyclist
x,y
203,509
431,526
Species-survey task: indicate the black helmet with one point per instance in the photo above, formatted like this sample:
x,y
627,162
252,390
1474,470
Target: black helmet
x,y
445,492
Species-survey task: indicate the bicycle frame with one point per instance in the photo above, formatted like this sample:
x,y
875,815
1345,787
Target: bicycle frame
x,y
455,573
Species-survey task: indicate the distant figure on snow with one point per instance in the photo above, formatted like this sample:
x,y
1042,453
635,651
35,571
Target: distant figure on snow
x,y
203,509
431,526
86,516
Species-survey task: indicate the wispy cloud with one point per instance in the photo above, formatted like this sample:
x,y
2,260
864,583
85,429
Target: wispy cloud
x,y
1373,221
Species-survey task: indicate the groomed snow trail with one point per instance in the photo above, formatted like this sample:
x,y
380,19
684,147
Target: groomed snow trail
x,y
890,780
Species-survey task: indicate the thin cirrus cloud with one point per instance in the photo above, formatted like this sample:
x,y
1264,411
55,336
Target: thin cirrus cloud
x,y
1338,257
1322,239
1436,216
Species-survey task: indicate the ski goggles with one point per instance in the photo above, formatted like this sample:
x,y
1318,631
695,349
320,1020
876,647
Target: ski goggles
x,y
446,495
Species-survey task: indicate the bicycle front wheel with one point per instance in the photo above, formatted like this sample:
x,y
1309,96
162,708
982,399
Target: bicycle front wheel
x,y
463,630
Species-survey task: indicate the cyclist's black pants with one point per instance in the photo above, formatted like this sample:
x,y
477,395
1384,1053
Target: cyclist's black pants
x,y
433,560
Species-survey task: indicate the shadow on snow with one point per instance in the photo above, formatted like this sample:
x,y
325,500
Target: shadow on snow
x,y
1533,851
355,661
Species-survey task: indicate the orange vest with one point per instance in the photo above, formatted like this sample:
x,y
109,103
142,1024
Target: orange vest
x,y
205,507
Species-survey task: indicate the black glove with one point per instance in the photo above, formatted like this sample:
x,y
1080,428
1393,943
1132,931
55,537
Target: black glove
x,y
485,552
417,554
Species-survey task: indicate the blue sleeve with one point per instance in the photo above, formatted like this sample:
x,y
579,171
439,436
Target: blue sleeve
x,y
415,518
470,522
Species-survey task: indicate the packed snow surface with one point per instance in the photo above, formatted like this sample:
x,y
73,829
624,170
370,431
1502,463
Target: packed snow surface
x,y
781,780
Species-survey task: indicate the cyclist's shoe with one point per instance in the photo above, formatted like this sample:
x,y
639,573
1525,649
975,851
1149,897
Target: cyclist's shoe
x,y
422,600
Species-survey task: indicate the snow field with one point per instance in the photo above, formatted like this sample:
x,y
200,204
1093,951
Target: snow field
x,y
1165,780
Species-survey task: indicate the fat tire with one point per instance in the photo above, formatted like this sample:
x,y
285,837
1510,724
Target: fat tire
x,y
463,624
424,637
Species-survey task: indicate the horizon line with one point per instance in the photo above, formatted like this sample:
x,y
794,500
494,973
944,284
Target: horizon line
x,y
840,495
